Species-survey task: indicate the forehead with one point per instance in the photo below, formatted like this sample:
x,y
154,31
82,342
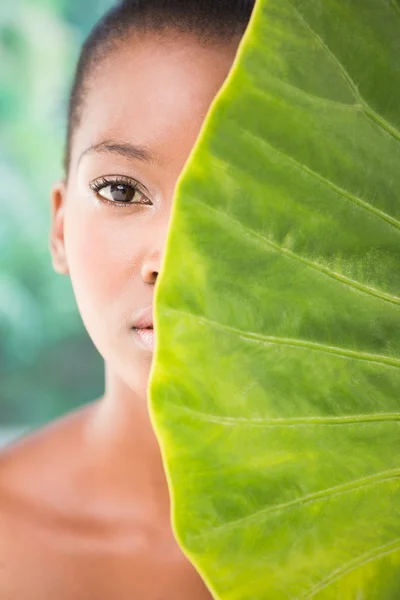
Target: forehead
x,y
153,91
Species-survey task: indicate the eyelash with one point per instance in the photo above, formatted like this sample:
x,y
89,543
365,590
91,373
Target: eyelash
x,y
102,182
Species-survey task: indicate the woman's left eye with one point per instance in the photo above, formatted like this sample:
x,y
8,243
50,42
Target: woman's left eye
x,y
119,192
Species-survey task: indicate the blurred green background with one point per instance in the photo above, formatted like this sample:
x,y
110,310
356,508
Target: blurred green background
x,y
48,364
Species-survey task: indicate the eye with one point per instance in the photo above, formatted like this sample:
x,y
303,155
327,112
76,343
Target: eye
x,y
120,191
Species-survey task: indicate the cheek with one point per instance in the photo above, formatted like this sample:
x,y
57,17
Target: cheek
x,y
101,259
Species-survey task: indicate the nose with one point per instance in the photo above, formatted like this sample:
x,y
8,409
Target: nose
x,y
150,270
151,264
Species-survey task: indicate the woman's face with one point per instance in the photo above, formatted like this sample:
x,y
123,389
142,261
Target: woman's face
x,y
143,111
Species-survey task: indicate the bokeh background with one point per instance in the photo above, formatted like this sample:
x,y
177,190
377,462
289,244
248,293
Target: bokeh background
x,y
48,364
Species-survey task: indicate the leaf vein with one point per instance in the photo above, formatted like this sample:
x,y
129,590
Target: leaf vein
x,y
338,490
353,564
269,339
372,114
256,236
333,186
329,420
319,100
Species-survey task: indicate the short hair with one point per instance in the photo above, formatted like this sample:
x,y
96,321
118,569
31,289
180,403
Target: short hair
x,y
211,21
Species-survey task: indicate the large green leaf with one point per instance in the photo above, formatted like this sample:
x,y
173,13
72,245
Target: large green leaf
x,y
276,384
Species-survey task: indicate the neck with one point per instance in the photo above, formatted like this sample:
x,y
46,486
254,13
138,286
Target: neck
x,y
123,441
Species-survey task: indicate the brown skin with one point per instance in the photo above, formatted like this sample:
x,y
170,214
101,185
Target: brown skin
x,y
84,503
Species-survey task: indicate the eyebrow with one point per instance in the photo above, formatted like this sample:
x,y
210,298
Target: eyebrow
x,y
125,149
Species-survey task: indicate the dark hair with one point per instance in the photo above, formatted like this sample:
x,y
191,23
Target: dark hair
x,y
215,21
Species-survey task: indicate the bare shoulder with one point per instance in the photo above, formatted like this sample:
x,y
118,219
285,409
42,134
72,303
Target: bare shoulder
x,y
36,469
27,465
70,527
37,475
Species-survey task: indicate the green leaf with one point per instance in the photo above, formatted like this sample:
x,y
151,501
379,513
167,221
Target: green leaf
x,y
275,386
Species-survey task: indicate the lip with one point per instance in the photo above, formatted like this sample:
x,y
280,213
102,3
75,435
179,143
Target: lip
x,y
145,338
144,318
143,321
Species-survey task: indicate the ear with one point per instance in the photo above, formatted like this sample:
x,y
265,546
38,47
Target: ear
x,y
58,197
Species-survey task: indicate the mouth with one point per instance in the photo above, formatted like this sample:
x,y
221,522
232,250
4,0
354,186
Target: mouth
x,y
145,337
142,327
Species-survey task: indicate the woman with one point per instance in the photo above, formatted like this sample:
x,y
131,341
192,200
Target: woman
x,y
84,503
